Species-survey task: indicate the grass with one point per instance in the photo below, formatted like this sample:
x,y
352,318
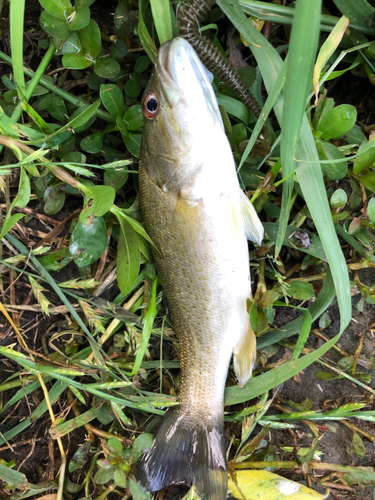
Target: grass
x,y
68,150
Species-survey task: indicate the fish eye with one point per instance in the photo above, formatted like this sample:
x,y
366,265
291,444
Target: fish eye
x,y
150,106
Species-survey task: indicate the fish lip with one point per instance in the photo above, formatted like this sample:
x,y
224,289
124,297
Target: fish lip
x,y
171,90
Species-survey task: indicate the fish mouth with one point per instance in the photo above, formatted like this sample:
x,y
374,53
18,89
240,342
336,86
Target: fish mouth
x,y
182,73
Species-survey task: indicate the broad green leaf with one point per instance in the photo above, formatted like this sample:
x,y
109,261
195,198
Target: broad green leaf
x,y
120,478
339,199
92,143
107,67
54,27
82,454
121,14
138,492
9,222
102,475
371,210
133,117
337,122
91,39
60,9
268,298
132,141
75,61
54,200
142,443
335,170
132,87
118,49
367,177
87,243
269,486
115,178
161,13
258,319
300,290
128,257
100,199
112,99
300,63
79,19
325,104
24,192
358,445
57,109
141,64
365,157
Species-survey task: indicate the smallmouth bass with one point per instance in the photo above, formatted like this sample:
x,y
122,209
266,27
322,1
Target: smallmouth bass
x,y
199,219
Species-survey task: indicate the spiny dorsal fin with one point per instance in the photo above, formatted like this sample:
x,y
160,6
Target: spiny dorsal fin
x,y
253,227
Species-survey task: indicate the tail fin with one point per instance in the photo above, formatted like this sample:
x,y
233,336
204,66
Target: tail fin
x,y
186,452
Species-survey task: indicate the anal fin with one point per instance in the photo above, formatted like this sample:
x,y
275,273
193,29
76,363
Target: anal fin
x,y
253,227
244,355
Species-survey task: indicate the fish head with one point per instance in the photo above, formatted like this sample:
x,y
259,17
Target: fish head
x,y
181,116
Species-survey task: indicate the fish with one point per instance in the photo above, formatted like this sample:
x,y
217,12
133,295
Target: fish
x,y
199,220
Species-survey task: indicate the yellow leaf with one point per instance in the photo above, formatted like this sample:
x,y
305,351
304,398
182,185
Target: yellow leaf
x,y
254,484
327,49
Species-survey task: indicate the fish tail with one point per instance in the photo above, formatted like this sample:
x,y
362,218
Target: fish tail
x,y
186,451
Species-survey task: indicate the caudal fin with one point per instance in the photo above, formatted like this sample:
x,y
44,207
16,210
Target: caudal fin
x,y
186,452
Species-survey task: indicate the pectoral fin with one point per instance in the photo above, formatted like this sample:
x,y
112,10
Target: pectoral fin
x,y
244,355
253,227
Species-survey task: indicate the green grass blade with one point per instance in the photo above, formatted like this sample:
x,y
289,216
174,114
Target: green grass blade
x,y
354,243
316,248
265,382
57,389
300,63
324,299
147,329
161,12
17,10
144,35
360,11
269,104
280,14
304,333
310,179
